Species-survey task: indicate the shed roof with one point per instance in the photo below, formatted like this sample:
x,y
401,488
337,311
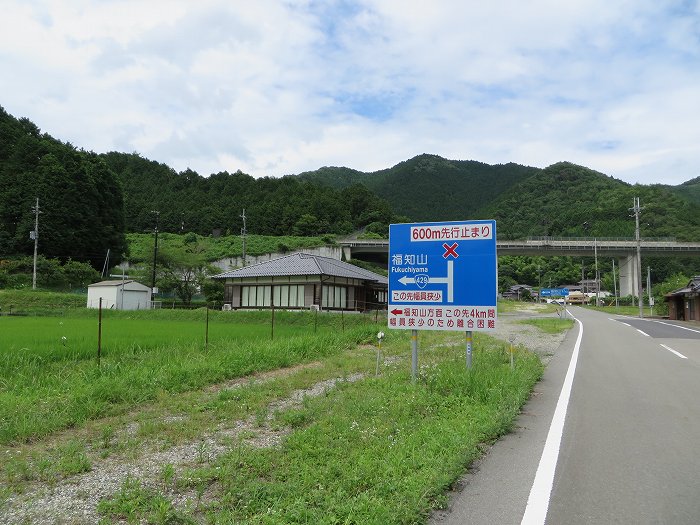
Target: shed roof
x,y
304,264
112,283
119,283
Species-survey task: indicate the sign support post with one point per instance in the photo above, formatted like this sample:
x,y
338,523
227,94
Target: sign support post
x,y
414,355
469,348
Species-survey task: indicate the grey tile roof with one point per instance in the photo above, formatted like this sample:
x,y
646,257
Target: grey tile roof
x,y
692,287
304,264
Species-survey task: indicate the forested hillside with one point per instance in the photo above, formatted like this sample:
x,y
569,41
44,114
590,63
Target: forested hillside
x,y
80,198
561,200
689,190
569,200
274,206
429,186
90,201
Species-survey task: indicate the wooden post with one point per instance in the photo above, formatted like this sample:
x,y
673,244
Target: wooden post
x,y
206,333
99,333
272,304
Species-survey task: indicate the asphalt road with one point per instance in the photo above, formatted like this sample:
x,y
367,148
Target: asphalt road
x,y
627,449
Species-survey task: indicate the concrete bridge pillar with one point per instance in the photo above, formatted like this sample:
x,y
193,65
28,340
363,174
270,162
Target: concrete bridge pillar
x,y
347,253
629,276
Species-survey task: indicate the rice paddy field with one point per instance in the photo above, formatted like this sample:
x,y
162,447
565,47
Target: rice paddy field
x,y
51,378
382,448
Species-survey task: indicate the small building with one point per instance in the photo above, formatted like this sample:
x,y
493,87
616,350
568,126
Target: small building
x,y
589,286
684,303
577,297
119,295
303,281
520,292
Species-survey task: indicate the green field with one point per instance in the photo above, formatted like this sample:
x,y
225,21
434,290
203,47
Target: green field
x,y
382,449
51,379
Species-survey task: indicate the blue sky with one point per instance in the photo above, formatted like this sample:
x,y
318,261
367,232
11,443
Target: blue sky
x,y
279,87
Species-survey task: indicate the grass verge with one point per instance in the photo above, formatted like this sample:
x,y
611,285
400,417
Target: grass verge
x,y
381,450
550,325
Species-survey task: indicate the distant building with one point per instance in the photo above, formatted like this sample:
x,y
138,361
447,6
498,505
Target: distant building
x,y
303,281
589,285
119,295
684,303
519,292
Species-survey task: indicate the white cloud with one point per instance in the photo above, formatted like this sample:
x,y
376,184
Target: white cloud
x,y
277,87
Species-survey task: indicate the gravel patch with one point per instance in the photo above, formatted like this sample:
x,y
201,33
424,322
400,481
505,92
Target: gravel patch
x,y
74,500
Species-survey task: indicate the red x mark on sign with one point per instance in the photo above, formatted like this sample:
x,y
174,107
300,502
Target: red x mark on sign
x,y
450,250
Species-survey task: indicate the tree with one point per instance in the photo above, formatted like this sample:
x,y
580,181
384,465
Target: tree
x,y
182,272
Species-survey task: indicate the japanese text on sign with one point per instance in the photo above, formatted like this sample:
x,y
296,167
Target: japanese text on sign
x,y
427,318
461,232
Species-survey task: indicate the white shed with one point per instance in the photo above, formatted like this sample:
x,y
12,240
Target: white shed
x,y
119,295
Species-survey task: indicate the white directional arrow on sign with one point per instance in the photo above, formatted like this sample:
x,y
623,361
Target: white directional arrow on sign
x,y
436,280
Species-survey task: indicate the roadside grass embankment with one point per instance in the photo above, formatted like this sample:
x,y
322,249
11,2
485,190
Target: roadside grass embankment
x,y
632,311
39,301
550,325
379,450
510,306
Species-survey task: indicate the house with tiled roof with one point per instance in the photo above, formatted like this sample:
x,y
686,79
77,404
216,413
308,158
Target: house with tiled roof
x,y
303,281
684,303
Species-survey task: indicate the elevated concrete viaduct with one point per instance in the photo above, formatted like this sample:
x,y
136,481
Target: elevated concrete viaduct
x,y
623,248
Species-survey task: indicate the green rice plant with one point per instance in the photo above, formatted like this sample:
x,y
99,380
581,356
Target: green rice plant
x,y
48,386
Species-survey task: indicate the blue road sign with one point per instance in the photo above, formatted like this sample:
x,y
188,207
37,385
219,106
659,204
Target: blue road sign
x,y
554,292
442,276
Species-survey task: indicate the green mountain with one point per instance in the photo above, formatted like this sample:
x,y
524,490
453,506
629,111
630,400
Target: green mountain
x,y
561,200
429,186
569,200
89,201
689,190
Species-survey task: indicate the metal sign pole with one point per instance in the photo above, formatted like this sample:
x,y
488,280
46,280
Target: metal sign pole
x,y
414,355
469,348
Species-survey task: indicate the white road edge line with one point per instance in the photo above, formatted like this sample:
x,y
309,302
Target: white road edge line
x,y
643,333
624,323
538,501
672,350
677,326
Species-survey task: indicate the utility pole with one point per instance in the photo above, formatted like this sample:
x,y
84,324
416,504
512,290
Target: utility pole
x,y
637,209
35,235
615,284
244,231
597,275
155,256
651,306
